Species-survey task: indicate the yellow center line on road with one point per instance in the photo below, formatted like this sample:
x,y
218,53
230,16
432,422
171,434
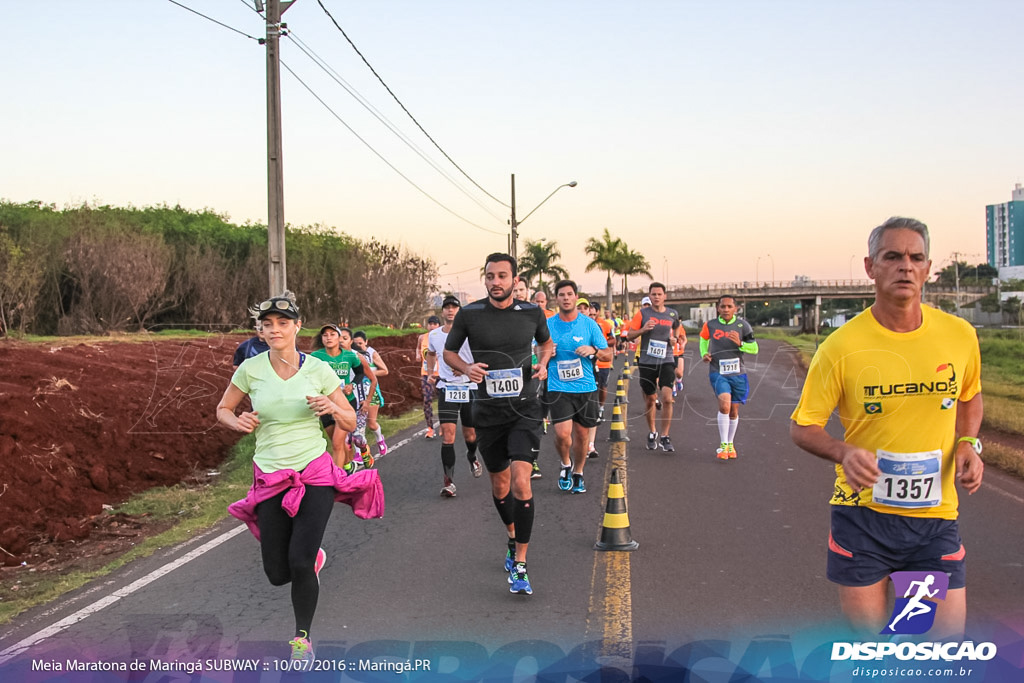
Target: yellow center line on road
x,y
610,614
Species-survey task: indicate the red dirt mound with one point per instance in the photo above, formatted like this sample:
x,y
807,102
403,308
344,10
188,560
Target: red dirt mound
x,y
83,425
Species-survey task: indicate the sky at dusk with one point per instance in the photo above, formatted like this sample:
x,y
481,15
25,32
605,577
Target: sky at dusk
x,y
725,140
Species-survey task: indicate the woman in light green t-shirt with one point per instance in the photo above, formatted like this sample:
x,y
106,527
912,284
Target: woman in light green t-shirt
x,y
289,390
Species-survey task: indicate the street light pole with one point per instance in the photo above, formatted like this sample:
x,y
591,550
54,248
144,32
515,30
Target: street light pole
x,y
514,236
514,239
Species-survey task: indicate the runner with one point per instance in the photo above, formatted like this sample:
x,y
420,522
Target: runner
x,y
723,344
520,291
540,298
295,482
572,388
601,370
433,322
604,368
454,398
678,351
507,412
380,369
357,397
250,347
907,382
653,324
328,348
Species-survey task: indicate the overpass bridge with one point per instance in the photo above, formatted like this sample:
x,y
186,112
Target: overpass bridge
x,y
810,294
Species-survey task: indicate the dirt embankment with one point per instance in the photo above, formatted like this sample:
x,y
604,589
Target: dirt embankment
x,y
88,424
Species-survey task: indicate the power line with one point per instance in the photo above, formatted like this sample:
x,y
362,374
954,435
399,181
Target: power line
x,y
230,28
381,157
413,118
333,74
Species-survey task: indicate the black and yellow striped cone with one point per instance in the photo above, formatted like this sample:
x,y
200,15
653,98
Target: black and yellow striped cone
x,y
618,429
627,370
615,528
620,391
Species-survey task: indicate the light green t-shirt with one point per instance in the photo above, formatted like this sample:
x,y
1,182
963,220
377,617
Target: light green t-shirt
x,y
289,435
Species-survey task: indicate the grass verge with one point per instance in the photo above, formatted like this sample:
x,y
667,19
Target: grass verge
x,y
1002,379
190,509
1004,457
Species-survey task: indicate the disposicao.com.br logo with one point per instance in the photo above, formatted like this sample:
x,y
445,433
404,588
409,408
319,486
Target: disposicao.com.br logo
x,y
917,596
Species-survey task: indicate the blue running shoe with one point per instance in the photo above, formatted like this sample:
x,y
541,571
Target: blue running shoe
x,y
510,559
564,480
519,580
577,484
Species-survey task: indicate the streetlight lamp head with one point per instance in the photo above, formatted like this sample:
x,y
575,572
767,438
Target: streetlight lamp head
x,y
572,183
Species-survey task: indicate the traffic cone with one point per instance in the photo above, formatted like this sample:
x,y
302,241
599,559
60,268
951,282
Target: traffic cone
x,y
618,430
615,528
620,392
627,370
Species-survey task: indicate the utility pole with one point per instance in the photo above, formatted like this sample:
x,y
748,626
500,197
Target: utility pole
x,y
275,149
514,239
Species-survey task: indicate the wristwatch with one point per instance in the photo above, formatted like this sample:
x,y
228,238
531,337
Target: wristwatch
x,y
973,440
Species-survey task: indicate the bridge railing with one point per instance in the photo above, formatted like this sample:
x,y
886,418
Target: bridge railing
x,y
796,288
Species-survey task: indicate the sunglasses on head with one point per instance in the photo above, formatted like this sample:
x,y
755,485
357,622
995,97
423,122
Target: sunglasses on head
x,y
279,304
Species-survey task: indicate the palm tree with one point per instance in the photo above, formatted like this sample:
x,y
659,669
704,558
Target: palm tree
x,y
538,260
628,263
603,253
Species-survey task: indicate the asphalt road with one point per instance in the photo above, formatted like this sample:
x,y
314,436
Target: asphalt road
x,y
728,578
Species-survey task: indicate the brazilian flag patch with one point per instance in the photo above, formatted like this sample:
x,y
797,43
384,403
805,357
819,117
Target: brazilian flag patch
x,y
873,408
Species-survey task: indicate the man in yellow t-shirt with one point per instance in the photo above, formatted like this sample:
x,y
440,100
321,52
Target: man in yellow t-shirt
x,y
906,381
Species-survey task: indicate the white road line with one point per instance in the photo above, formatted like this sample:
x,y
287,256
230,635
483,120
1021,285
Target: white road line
x,y
1003,492
89,610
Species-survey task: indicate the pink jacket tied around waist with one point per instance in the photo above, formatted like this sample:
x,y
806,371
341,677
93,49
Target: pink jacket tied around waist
x,y
362,490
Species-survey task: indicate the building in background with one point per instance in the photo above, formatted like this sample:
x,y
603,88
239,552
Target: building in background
x,y
1004,227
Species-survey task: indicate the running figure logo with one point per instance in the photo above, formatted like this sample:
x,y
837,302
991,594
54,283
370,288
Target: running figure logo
x,y
914,613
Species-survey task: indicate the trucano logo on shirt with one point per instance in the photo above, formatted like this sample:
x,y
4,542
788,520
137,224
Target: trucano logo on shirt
x,y
944,386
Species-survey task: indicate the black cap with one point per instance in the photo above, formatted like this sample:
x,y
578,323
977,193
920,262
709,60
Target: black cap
x,y
434,319
280,305
451,300
331,326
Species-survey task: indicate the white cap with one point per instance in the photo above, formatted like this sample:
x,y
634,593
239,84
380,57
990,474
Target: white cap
x,y
645,300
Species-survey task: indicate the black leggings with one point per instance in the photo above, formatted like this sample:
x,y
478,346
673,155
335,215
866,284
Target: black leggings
x,y
289,546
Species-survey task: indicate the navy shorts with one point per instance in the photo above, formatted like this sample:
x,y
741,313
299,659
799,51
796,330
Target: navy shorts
x,y
736,386
601,375
865,546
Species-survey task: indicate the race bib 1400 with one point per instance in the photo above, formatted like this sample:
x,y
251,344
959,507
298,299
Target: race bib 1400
x,y
504,383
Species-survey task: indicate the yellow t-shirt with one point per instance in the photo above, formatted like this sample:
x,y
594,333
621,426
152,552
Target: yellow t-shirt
x,y
897,395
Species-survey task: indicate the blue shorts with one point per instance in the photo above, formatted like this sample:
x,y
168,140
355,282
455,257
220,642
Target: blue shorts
x,y
736,385
865,546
